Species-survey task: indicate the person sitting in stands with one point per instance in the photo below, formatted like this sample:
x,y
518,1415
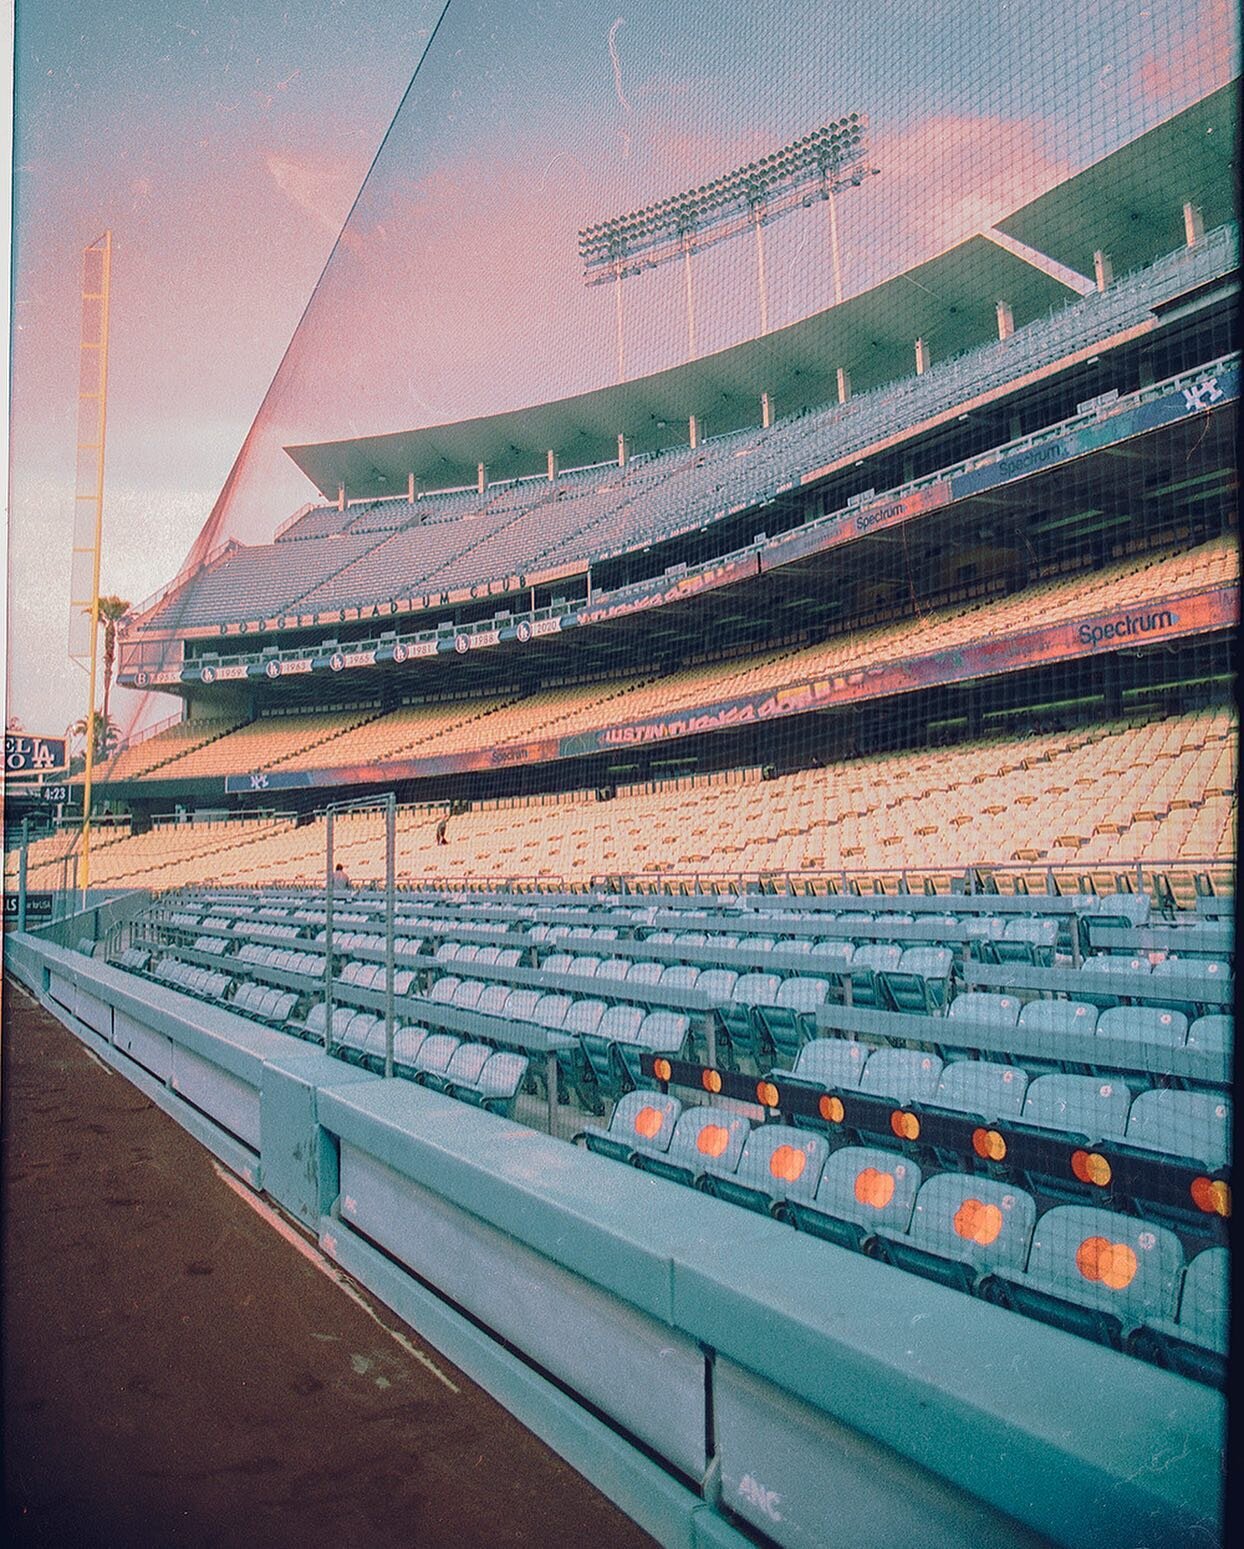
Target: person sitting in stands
x,y
340,879
440,831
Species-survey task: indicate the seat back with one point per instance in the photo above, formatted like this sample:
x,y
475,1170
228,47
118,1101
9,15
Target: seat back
x,y
904,1075
832,1062
444,989
1144,1024
1215,1032
644,973
558,963
467,993
502,1075
802,994
987,1009
785,1162
718,984
1058,1016
584,1016
645,1119
679,976
756,989
930,962
878,956
613,968
467,1061
1204,1302
493,999
965,1216
664,1032
983,1087
1124,1265
707,1138
1191,1124
521,1005
1086,1105
620,1024
872,1187
435,1053
407,1041
550,1010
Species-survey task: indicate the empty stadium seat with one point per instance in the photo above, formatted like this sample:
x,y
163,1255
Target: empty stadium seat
x,y
777,1163
638,1118
982,1087
1058,1016
988,1010
701,1136
1143,1024
1191,1124
1094,1271
1084,1105
1215,1032
831,1062
903,1075
961,1226
862,1189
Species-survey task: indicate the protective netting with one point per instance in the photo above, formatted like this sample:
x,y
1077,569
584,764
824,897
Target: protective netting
x,y
455,288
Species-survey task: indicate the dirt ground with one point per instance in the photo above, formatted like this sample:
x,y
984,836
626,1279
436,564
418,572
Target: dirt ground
x,y
177,1373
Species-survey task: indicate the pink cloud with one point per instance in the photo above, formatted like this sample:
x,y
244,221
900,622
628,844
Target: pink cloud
x,y
1206,61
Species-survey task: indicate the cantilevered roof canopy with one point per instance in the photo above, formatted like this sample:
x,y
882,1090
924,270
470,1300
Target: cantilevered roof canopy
x,y
950,302
1130,204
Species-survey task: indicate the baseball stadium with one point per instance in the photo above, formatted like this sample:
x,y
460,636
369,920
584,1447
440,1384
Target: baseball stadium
x,y
701,872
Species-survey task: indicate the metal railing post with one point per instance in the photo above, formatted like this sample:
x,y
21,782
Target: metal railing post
x,y
390,908
21,876
328,932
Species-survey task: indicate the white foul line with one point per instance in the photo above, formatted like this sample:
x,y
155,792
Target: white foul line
x,y
326,1267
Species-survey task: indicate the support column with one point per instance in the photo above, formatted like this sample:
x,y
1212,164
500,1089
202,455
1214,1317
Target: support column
x,y
1103,270
481,477
922,357
844,384
341,497
553,469
766,411
410,488
1194,224
693,431
624,450
1006,320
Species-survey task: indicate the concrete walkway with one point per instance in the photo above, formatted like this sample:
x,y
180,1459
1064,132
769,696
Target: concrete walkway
x,y
178,1373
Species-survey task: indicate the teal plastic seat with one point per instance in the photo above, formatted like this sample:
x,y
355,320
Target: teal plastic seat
x,y
962,1226
1083,1105
638,1119
1188,1124
1101,1259
702,1138
863,1189
833,1063
902,1075
1214,1033
777,1163
986,1088
985,1008
1058,1016
1144,1024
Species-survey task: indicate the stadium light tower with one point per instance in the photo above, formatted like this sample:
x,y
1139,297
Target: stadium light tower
x,y
821,165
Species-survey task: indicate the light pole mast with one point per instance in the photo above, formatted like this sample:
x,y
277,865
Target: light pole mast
x,y
88,515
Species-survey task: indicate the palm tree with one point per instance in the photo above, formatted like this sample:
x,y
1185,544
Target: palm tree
x,y
112,610
107,734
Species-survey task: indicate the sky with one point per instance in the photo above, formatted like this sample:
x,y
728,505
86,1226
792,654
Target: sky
x,y
225,145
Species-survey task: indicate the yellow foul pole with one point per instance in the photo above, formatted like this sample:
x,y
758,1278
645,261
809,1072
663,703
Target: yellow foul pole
x,y
89,499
